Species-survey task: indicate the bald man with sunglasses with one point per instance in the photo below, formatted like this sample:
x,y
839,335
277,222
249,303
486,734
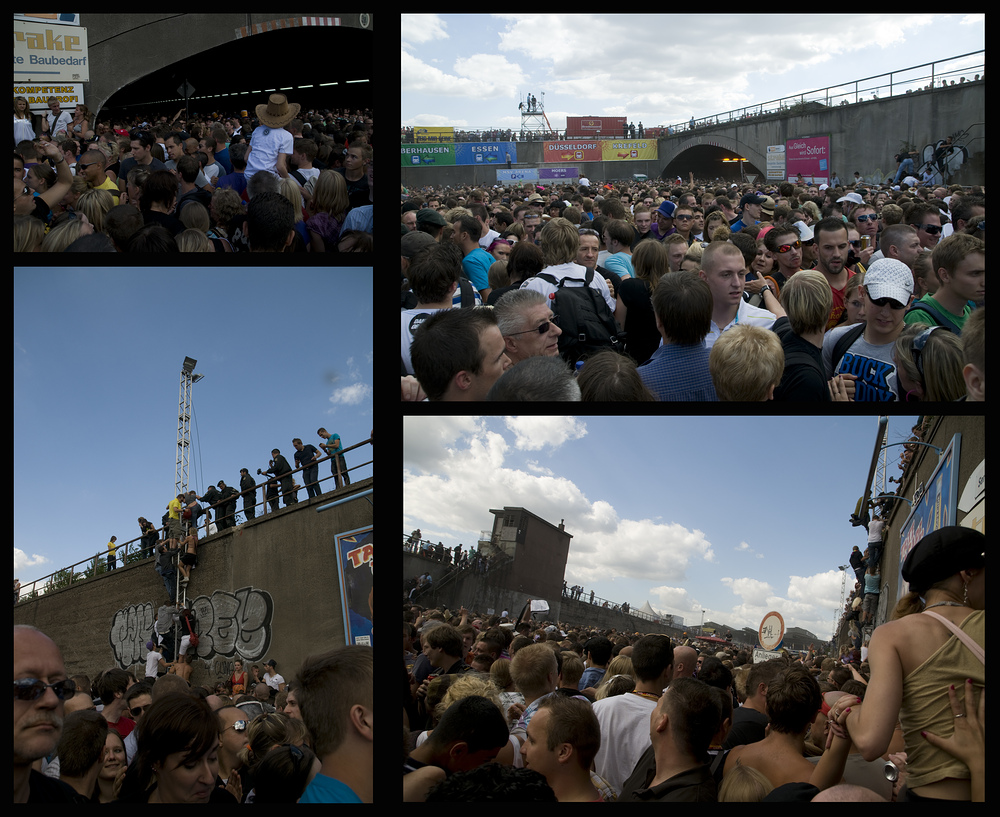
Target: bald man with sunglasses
x,y
40,687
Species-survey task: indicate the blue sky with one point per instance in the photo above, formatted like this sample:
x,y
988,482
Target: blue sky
x,y
97,361
735,515
469,71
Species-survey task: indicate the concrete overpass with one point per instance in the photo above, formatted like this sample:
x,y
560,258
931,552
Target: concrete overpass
x,y
864,136
269,588
236,52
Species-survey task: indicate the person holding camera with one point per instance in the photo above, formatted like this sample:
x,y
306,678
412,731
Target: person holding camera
x,y
283,471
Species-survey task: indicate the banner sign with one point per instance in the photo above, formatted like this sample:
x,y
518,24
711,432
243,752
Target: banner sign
x,y
356,567
936,508
45,52
458,153
485,153
626,150
529,174
810,157
571,152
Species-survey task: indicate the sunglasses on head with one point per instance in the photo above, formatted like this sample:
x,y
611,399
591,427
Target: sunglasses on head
x,y
917,346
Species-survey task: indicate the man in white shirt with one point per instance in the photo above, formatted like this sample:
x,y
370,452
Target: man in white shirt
x,y
272,679
271,145
624,719
58,120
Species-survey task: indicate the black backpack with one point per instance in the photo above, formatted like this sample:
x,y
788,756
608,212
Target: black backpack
x,y
587,324
939,319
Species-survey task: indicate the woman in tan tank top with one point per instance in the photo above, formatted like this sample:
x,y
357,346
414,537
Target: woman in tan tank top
x,y
914,658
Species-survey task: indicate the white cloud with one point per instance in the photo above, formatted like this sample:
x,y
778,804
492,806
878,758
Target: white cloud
x,y
22,561
421,28
752,591
351,395
533,433
474,77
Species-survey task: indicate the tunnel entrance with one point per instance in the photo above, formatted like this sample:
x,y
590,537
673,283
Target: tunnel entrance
x,y
237,76
705,161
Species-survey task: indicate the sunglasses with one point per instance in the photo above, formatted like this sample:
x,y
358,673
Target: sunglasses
x,y
788,247
892,302
31,689
542,328
930,229
238,726
869,217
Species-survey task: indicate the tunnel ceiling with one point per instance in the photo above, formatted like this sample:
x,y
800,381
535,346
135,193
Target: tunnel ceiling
x,y
250,69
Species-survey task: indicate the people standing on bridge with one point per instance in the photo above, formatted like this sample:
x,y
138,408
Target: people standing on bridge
x,y
283,471
226,513
248,489
305,458
271,146
333,445
111,553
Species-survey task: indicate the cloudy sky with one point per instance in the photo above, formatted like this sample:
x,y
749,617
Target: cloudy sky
x,y
734,515
97,361
470,71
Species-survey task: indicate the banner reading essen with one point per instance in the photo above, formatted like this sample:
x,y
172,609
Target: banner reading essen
x,y
459,153
622,150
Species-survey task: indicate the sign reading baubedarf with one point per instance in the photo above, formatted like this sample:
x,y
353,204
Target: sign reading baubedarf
x,y
50,53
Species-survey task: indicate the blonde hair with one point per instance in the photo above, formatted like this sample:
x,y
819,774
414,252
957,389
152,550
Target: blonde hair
x,y
530,668
941,360
807,299
463,687
290,190
745,362
559,241
744,784
330,195
718,248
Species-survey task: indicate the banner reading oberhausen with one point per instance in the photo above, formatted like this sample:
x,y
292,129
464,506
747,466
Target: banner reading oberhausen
x,y
458,153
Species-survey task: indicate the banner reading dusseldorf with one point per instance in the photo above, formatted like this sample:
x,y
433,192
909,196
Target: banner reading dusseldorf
x,y
622,150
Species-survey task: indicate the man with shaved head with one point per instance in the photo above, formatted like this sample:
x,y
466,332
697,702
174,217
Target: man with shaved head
x,y
40,686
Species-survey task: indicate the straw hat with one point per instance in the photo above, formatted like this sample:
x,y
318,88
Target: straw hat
x,y
278,112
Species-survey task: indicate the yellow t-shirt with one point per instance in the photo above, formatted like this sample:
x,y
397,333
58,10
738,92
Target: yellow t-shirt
x,y
111,187
174,507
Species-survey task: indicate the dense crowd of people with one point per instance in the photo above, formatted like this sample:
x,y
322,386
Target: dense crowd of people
x,y
281,180
699,291
511,709
160,740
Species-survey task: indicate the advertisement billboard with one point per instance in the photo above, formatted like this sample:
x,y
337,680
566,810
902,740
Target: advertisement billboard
x,y
588,126
810,157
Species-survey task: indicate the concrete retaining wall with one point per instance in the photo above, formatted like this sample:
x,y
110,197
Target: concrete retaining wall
x,y
267,589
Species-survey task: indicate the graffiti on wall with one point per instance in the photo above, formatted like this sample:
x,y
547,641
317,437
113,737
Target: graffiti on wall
x,y
229,625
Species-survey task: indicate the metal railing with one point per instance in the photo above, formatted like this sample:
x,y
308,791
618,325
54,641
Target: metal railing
x,y
958,70
129,554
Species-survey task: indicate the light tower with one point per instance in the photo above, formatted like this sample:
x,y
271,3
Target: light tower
x,y
188,379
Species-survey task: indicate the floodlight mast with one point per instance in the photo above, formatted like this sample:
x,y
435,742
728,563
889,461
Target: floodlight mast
x,y
188,379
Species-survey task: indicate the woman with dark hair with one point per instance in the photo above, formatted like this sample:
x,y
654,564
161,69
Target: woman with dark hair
x,y
177,760
935,642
